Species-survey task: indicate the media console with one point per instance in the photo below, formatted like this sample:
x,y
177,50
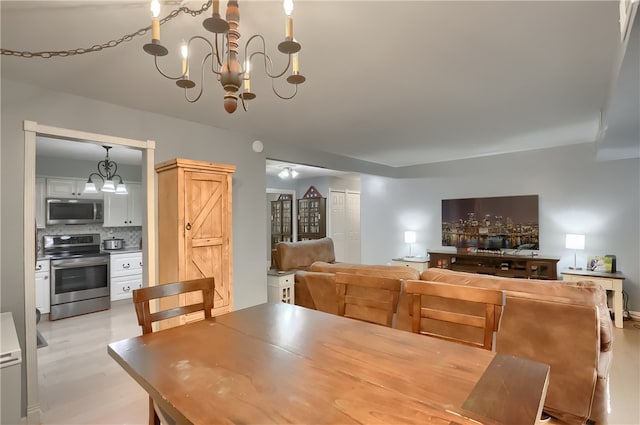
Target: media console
x,y
498,264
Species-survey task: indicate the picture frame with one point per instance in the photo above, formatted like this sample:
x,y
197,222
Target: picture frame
x,y
601,263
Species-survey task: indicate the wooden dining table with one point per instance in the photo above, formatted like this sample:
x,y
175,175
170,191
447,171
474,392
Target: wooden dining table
x,y
280,363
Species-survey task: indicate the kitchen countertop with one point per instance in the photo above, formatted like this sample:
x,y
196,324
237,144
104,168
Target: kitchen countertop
x,y
125,250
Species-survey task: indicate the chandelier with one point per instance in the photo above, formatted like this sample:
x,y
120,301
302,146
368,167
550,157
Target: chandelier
x,y
288,172
106,173
224,56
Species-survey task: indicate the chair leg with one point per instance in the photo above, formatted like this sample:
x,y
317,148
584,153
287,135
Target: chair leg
x,y
153,416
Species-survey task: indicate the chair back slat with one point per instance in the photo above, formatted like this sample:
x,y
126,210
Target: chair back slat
x,y
493,301
143,296
368,298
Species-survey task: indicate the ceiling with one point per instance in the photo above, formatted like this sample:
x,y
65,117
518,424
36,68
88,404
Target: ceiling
x,y
393,83
274,167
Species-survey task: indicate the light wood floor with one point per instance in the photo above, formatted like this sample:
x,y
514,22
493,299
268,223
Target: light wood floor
x,y
81,384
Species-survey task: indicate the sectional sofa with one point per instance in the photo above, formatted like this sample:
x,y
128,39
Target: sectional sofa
x,y
563,324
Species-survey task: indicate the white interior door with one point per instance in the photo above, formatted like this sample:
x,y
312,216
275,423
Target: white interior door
x,y
352,219
337,223
344,225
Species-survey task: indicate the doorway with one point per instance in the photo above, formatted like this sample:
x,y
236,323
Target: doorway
x,y
343,224
31,130
341,189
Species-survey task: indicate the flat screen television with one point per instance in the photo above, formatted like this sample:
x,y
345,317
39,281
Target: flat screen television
x,y
495,223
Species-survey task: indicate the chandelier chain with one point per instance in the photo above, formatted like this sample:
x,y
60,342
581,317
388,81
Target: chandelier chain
x,y
109,44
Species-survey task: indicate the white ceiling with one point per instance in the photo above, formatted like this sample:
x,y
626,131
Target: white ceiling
x,y
395,83
274,167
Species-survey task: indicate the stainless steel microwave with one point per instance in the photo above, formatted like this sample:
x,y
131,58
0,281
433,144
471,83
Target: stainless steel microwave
x,y
74,211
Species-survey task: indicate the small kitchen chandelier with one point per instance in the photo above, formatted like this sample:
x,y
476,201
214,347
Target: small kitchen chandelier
x,y
106,172
288,172
225,64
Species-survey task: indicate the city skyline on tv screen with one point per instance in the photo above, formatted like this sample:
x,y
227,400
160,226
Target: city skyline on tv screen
x,y
493,223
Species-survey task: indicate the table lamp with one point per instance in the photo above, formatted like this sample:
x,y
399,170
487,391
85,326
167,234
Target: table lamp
x,y
575,242
410,238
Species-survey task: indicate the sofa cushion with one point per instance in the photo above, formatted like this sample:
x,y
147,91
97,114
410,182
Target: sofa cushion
x,y
300,255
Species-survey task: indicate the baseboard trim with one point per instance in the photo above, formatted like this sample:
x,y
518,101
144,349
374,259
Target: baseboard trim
x,y
635,315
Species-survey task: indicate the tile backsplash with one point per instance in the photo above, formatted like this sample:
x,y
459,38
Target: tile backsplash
x,y
131,235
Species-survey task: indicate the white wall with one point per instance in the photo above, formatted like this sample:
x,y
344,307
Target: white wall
x,y
576,195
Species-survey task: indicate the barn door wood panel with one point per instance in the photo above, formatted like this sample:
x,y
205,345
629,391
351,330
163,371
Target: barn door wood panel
x,y
205,232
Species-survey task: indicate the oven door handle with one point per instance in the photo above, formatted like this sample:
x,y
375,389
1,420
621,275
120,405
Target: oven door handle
x,y
73,264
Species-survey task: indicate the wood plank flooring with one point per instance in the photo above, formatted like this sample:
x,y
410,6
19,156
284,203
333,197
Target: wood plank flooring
x,y
81,384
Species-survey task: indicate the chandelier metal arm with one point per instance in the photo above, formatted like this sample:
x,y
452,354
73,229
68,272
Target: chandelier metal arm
x,y
295,92
186,96
155,60
268,63
97,175
213,67
118,176
214,52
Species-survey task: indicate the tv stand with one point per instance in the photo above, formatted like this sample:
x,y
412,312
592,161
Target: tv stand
x,y
498,264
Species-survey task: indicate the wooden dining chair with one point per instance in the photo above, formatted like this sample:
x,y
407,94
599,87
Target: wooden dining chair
x,y
420,308
142,299
368,298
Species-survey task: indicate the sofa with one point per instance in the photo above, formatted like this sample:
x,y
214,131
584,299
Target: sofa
x,y
300,255
563,324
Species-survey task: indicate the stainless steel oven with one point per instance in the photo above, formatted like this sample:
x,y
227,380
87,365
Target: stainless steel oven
x,y
80,275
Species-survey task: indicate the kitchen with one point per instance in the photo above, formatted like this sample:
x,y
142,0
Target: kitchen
x,y
88,244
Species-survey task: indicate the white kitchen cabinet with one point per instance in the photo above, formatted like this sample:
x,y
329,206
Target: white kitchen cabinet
x,y
124,210
41,194
70,188
126,274
43,287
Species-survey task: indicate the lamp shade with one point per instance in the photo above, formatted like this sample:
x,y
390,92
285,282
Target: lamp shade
x,y
409,236
574,241
121,189
108,186
90,187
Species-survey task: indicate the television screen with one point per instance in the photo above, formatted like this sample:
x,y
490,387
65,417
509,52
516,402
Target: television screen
x,y
503,222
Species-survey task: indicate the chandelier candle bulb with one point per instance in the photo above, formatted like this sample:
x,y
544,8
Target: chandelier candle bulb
x,y
216,8
184,50
288,9
295,63
289,31
155,23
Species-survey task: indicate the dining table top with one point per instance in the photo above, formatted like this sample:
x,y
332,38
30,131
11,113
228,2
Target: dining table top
x,y
280,363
